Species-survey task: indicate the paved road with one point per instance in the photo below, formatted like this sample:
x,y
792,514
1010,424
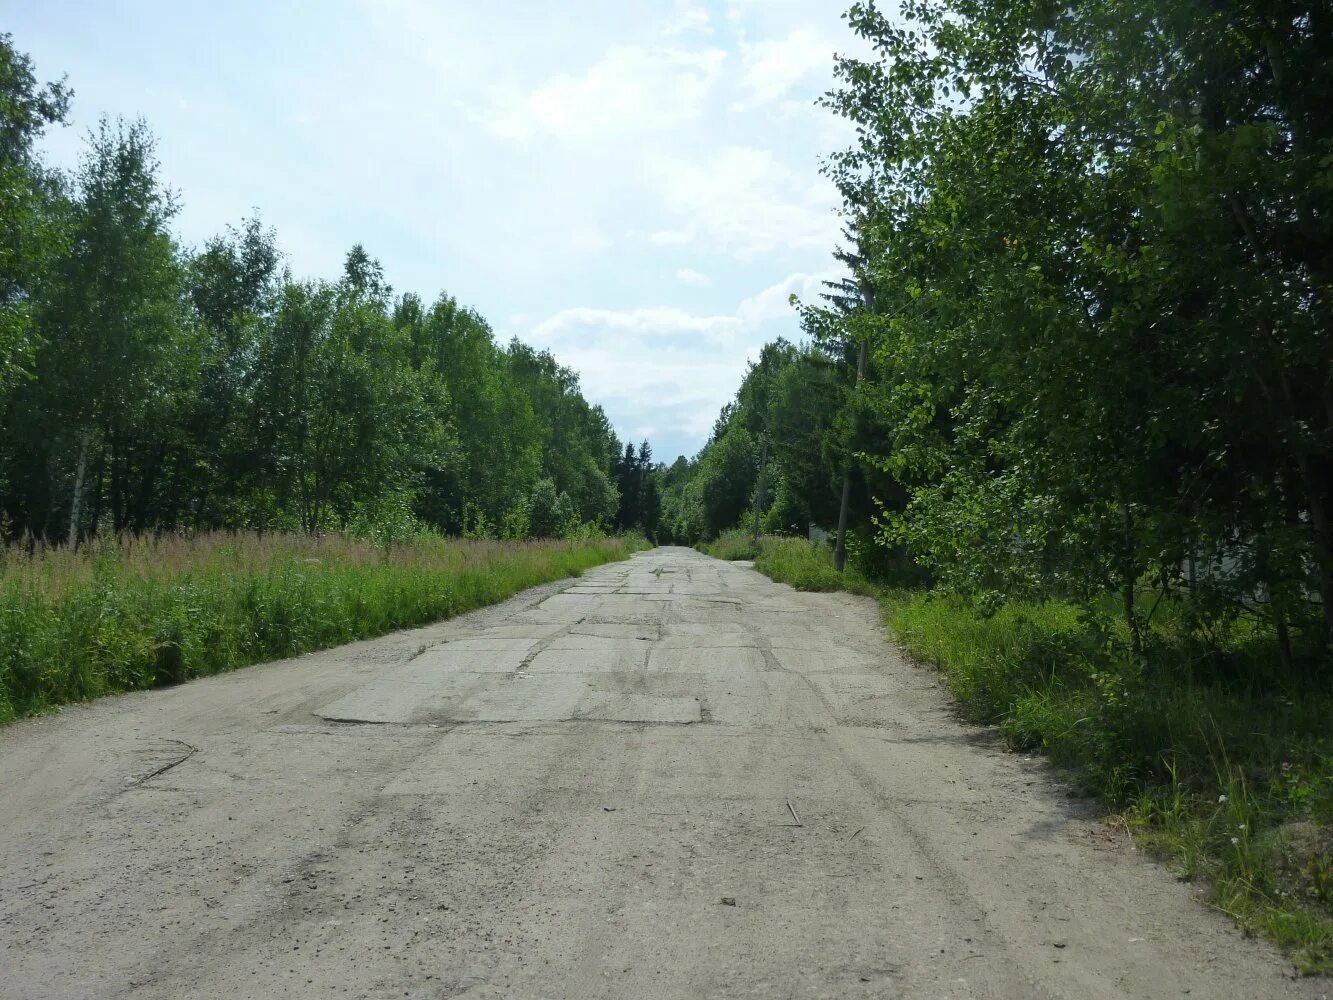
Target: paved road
x,y
581,793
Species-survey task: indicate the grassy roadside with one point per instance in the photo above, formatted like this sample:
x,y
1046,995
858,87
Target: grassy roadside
x,y
133,614
731,545
1212,758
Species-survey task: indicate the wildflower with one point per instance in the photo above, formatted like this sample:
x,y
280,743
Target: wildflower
x,y
1235,840
1241,827
1286,766
1221,798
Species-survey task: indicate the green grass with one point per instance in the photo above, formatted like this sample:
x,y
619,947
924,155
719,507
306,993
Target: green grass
x,y
139,613
806,566
1209,753
734,544
794,561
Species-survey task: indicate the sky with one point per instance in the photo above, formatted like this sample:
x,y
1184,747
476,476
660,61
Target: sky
x,y
633,186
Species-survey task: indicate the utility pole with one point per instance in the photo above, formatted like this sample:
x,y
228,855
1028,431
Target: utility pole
x,y
840,548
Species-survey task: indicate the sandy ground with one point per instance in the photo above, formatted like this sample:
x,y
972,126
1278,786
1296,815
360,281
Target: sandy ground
x,y
592,790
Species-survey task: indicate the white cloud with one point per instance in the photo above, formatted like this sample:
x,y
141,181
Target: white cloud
x,y
688,17
736,11
660,329
660,321
630,90
677,396
669,238
772,67
774,302
690,276
746,202
588,240
665,369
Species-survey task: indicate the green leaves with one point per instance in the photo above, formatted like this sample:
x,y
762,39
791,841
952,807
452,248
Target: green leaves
x,y
145,387
32,219
1103,288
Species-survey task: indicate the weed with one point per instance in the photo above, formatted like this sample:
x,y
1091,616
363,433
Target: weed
x,y
793,561
128,614
808,567
734,544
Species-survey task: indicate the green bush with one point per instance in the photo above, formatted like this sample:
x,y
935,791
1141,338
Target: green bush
x,y
551,513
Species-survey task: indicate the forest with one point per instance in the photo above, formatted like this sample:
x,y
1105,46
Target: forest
x,y
148,386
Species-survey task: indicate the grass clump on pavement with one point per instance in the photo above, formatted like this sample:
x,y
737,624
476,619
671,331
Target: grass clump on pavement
x,y
731,545
129,614
793,561
807,566
1214,755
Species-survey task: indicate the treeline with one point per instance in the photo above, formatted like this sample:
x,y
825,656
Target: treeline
x,y
774,461
1091,254
148,386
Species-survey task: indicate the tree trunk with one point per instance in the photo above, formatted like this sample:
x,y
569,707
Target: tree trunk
x,y
1283,638
759,484
1131,616
80,471
116,462
139,515
840,548
1129,578
96,491
1323,544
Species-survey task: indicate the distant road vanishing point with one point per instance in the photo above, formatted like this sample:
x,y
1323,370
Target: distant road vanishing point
x,y
670,778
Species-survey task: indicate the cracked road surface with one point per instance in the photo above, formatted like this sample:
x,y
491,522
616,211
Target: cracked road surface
x,y
592,790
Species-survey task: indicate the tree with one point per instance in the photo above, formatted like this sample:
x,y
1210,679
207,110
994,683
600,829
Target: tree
x,y
116,350
234,286
550,511
804,404
499,440
143,387
650,493
32,209
577,443
725,480
1109,341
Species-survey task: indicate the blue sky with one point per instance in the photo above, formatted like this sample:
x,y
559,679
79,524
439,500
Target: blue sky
x,y
632,185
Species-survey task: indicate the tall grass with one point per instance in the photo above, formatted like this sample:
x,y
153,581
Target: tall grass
x,y
128,614
808,566
734,544
794,561
1210,752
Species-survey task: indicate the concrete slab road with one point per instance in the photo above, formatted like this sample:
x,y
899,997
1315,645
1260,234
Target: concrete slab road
x,y
670,778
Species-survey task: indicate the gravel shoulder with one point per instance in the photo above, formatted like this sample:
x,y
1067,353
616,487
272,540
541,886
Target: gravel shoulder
x,y
668,778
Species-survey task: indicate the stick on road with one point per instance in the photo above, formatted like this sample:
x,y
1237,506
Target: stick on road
x,y
588,791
